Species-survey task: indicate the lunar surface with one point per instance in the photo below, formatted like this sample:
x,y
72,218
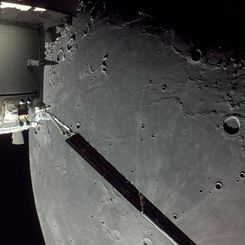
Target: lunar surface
x,y
167,115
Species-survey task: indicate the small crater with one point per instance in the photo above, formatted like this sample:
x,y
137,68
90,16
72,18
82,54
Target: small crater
x,y
164,87
242,175
78,125
196,54
29,101
147,241
201,190
143,125
22,102
175,216
152,135
104,64
231,125
218,185
150,82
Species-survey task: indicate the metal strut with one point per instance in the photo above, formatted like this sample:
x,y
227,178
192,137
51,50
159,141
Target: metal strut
x,y
62,127
122,185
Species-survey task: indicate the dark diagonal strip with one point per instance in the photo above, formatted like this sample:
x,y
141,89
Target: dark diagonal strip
x,y
129,191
